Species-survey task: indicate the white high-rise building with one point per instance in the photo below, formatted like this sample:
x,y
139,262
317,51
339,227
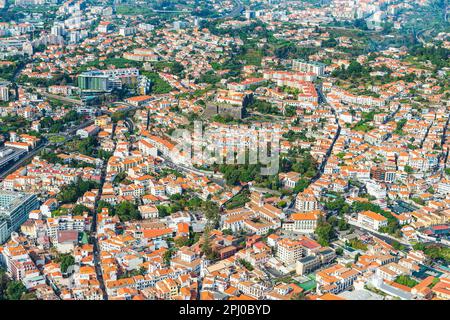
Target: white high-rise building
x,y
4,91
74,37
57,30
313,67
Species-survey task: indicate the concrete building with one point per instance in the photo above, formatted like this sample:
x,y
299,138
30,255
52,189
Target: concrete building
x,y
4,91
14,210
313,67
106,80
88,131
306,201
372,220
312,262
289,251
306,222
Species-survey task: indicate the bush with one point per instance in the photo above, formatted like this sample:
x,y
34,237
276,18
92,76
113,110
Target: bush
x,y
406,281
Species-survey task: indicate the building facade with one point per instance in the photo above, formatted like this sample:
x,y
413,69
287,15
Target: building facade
x,y
14,210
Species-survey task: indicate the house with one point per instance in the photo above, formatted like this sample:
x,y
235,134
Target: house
x,y
372,220
148,211
66,240
335,279
289,179
306,222
139,100
306,201
88,131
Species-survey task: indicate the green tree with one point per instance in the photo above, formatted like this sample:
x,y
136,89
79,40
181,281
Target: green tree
x,y
246,264
181,242
4,280
65,260
103,204
127,211
211,211
399,127
227,232
28,296
397,245
15,290
324,232
79,209
206,246
406,281
71,193
298,296
408,169
167,257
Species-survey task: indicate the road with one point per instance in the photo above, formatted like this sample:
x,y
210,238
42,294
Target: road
x,y
129,123
385,237
447,10
321,168
94,239
170,164
171,11
7,158
21,161
421,35
68,134
350,29
390,116
238,8
444,134
273,116
62,98
129,107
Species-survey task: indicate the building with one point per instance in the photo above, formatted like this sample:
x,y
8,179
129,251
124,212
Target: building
x,y
138,101
14,210
306,222
224,109
289,179
306,201
313,67
104,27
312,262
64,223
88,131
335,279
94,81
127,31
20,265
106,80
372,220
289,251
4,91
148,211
146,27
307,264
375,189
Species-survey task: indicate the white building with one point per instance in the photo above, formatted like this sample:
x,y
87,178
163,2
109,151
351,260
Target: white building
x,y
306,201
372,220
314,67
375,189
306,222
289,251
4,91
